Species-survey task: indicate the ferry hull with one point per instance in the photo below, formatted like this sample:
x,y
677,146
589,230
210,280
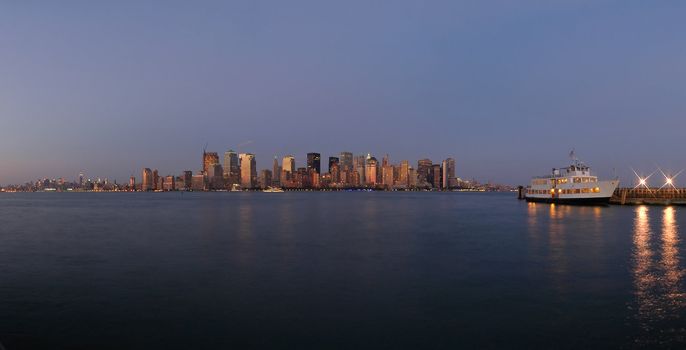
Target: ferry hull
x,y
576,201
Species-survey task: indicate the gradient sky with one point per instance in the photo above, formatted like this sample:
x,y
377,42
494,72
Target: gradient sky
x,y
506,88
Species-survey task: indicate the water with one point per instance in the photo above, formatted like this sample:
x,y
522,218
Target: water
x,y
336,270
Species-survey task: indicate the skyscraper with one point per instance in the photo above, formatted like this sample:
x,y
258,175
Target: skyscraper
x,y
187,179
147,180
424,168
346,161
449,173
333,161
155,180
436,176
209,159
248,170
371,170
276,172
231,167
314,162
404,176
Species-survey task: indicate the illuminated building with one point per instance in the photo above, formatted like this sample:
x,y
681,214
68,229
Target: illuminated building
x,y
209,159
265,178
436,176
169,183
314,162
371,170
424,168
231,167
346,161
132,182
216,177
449,179
334,169
155,180
147,180
404,174
412,179
198,182
187,179
276,173
387,176
359,163
248,170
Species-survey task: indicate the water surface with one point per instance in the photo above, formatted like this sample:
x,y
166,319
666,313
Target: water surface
x,y
336,270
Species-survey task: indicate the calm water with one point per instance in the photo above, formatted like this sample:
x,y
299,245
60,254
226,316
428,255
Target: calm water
x,y
336,270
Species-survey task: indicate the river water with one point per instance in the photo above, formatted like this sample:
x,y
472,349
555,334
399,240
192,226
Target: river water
x,y
336,270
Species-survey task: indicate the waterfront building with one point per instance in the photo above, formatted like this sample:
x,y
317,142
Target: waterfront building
x,y
155,180
232,167
404,174
198,182
371,171
334,169
248,170
209,159
449,179
265,178
187,179
276,172
412,178
360,164
147,180
216,177
436,176
424,169
314,162
387,175
346,161
169,183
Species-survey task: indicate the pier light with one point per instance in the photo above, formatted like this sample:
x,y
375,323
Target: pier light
x,y
642,182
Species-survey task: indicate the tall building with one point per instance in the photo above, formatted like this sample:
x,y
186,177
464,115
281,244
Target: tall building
x,y
155,180
436,176
231,167
209,159
276,173
187,179
288,171
371,172
333,161
346,161
169,183
449,179
424,168
132,183
314,162
248,170
265,178
387,175
147,180
359,164
404,175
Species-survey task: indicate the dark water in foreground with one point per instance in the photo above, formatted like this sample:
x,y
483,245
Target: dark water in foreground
x,y
336,270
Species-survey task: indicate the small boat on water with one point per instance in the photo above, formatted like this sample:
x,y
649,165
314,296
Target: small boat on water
x,y
273,190
571,185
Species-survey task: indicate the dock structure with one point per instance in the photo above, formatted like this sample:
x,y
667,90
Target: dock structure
x,y
649,196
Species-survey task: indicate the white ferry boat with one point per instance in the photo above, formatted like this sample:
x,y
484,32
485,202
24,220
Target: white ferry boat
x,y
572,185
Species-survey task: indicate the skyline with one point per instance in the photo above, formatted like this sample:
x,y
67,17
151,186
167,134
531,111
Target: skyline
x,y
506,89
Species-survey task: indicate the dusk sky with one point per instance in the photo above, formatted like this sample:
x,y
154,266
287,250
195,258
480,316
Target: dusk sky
x,y
507,88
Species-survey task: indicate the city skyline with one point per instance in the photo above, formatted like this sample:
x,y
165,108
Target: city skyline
x,y
506,88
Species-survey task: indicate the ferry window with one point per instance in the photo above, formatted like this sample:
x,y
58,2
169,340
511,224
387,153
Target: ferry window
x,y
577,180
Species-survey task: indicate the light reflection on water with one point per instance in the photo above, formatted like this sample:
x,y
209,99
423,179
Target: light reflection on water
x,y
659,298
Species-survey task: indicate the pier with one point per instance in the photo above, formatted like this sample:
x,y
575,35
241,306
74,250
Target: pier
x,y
649,196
